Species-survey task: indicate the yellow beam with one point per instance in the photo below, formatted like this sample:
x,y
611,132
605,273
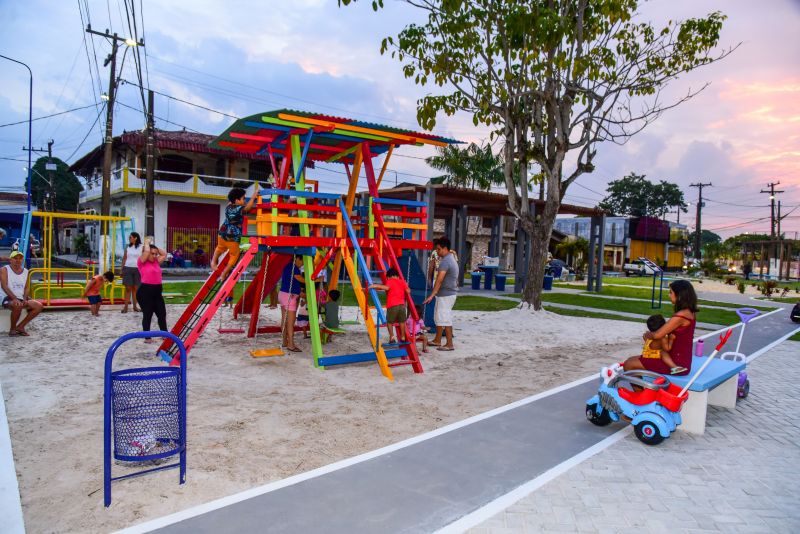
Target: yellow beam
x,y
372,330
405,226
79,216
385,163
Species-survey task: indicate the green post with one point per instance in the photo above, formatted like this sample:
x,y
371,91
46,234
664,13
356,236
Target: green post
x,y
371,221
308,261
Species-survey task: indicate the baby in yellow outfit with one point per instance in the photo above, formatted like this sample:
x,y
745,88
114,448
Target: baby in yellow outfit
x,y
659,348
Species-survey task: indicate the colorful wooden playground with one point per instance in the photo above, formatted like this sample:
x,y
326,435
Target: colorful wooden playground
x,y
325,229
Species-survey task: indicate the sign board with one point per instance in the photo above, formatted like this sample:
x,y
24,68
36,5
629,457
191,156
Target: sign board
x,y
50,166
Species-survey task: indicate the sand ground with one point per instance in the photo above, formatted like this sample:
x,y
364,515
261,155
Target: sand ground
x,y
255,421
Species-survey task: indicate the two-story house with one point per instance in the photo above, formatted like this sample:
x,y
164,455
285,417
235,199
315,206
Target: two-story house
x,y
192,182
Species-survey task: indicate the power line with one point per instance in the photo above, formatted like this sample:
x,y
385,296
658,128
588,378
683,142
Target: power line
x,y
102,108
48,116
122,80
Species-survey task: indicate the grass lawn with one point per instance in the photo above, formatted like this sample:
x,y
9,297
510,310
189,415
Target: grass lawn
x,y
476,303
795,337
593,315
643,293
789,300
643,308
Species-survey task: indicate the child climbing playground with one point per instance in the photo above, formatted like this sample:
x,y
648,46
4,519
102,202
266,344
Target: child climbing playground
x,y
92,291
230,232
396,312
659,348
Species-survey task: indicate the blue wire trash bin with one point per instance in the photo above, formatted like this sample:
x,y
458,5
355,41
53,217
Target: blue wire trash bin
x,y
144,413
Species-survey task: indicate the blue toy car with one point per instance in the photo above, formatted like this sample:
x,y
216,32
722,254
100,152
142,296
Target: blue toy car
x,y
654,410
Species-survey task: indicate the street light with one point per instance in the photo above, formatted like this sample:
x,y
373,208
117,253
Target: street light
x,y
30,123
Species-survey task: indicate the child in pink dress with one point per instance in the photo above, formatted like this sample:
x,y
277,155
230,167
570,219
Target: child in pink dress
x,y
416,329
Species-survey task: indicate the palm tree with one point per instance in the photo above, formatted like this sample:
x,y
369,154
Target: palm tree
x,y
474,167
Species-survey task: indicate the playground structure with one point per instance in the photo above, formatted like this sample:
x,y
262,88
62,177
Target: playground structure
x,y
54,277
288,219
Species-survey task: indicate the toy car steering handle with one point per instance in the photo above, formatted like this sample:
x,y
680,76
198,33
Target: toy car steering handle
x,y
636,378
747,314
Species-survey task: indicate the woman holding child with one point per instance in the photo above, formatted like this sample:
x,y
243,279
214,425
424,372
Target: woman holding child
x,y
680,325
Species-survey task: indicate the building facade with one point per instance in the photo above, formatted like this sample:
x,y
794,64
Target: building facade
x,y
192,182
628,238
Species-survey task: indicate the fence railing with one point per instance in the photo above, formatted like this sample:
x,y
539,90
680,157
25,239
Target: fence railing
x,y
186,184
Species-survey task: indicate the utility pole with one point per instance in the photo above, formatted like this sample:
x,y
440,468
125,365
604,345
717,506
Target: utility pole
x,y
772,193
700,205
105,206
149,199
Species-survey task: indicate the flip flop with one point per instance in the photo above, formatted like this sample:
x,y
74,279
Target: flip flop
x,y
22,333
13,333
432,344
295,349
445,349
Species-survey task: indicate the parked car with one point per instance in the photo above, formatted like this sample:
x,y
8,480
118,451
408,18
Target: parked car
x,y
637,268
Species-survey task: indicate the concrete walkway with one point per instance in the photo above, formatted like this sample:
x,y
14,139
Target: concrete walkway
x,y
742,475
444,479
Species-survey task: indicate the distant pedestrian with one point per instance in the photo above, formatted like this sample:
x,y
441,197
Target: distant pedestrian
x,y
130,270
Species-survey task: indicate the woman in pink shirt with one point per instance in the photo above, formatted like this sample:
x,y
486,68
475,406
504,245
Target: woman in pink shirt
x,y
149,294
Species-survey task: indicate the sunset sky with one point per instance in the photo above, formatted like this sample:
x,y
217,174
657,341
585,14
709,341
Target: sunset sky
x,y
242,58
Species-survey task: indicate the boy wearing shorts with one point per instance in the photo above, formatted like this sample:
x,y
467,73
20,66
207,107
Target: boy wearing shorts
x,y
92,291
230,233
396,312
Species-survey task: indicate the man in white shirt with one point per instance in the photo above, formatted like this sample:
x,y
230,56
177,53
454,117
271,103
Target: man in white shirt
x,y
15,296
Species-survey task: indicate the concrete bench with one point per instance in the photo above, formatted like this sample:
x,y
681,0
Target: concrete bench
x,y
5,320
716,386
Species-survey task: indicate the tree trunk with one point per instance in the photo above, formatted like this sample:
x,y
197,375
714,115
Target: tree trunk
x,y
540,227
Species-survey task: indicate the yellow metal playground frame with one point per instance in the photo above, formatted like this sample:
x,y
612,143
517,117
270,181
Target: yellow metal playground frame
x,y
47,269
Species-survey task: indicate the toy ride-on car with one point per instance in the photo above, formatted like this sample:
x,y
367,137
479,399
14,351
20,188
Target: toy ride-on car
x,y
653,410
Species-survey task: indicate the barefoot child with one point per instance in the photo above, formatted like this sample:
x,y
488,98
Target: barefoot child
x,y
302,314
416,329
396,311
659,348
92,291
231,230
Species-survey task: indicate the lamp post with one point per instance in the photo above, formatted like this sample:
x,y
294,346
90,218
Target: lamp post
x,y
30,123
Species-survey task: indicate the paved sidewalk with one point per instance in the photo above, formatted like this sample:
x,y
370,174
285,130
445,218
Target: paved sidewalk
x,y
742,475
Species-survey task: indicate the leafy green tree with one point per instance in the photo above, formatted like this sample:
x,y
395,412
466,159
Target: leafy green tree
x,y
552,78
56,190
707,237
636,196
